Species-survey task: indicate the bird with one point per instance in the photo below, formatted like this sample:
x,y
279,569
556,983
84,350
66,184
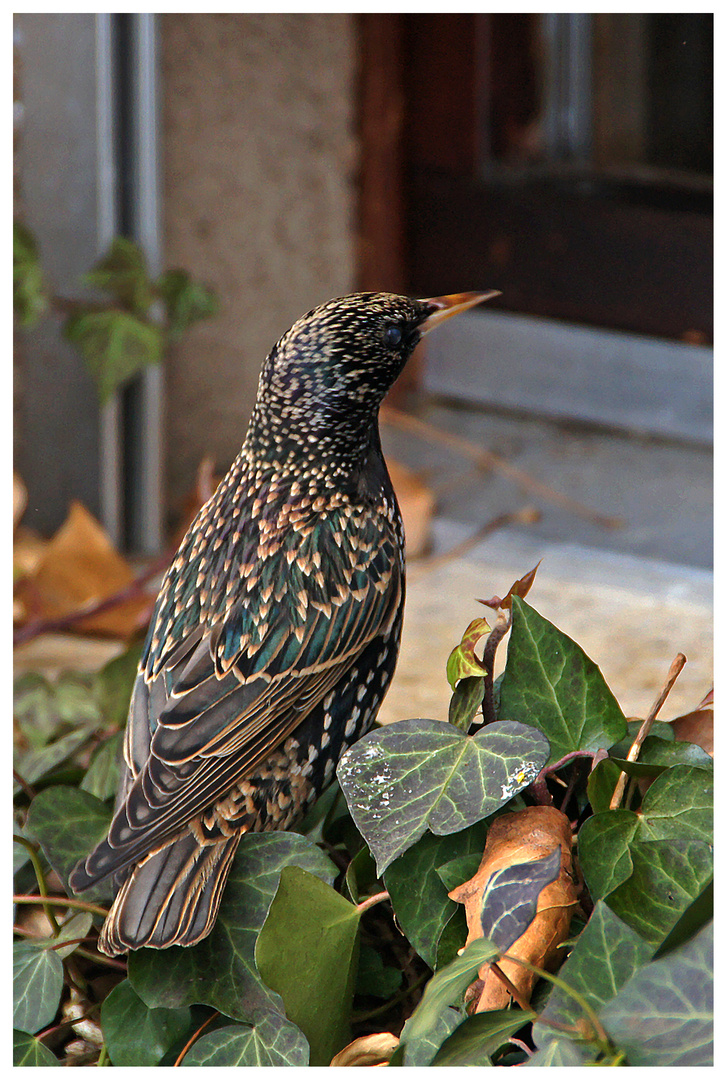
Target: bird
x,y
276,630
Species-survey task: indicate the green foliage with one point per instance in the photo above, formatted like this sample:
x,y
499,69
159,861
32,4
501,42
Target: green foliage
x,y
345,927
420,774
29,298
129,331
312,930
136,1035
552,685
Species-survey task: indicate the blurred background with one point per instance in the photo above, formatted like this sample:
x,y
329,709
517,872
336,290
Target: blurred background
x,y
280,159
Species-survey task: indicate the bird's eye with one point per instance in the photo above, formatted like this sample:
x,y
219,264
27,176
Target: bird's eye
x,y
392,334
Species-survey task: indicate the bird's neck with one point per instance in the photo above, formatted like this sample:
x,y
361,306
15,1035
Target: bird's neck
x,y
325,450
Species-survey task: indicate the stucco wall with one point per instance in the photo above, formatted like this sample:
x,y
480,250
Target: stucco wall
x,y
258,180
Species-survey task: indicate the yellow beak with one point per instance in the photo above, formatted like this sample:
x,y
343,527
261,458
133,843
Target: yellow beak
x,y
447,306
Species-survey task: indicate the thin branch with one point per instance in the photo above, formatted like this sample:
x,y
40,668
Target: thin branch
x,y
488,459
527,515
194,1037
34,627
676,666
40,878
371,901
62,901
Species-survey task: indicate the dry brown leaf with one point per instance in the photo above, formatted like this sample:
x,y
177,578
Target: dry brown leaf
x,y
521,837
697,726
416,501
79,568
368,1050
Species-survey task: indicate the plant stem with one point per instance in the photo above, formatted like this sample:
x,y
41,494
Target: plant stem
x,y
194,1037
40,878
62,901
371,901
676,666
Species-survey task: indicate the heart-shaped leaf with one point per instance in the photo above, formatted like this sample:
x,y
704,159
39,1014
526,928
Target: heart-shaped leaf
x,y
220,971
271,1041
37,986
136,1035
551,684
418,894
419,774
664,1015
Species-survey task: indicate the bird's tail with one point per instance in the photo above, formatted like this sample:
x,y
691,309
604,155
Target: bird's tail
x,y
170,898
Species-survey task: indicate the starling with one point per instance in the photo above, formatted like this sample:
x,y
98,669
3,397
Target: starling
x,y
276,630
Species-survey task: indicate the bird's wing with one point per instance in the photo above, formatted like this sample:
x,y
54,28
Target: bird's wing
x,y
228,696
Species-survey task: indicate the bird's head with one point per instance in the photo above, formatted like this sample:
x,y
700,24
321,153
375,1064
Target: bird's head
x,y
324,380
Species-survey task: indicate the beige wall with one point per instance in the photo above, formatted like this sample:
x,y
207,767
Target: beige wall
x,y
259,158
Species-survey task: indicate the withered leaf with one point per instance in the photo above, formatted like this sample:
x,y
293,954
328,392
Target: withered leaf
x,y
520,588
78,569
525,836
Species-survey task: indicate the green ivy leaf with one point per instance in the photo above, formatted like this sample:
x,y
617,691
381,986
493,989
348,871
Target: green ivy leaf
x,y
123,274
34,765
510,899
606,955
418,895
667,878
418,1052
114,683
550,684
472,1042
678,805
462,662
136,1035
663,1016
29,296
102,778
186,301
220,971
307,952
37,986
444,989
466,702
419,774
68,823
271,1041
116,346
30,1051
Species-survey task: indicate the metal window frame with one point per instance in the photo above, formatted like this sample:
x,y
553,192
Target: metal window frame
x,y
138,205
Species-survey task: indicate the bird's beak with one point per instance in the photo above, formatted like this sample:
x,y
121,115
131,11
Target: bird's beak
x,y
447,306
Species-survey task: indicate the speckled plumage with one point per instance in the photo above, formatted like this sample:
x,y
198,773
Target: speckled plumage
x,y
277,626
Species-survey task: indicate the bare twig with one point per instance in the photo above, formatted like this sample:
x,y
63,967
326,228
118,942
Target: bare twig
x,y
34,627
194,1037
62,901
488,459
676,666
371,901
527,515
